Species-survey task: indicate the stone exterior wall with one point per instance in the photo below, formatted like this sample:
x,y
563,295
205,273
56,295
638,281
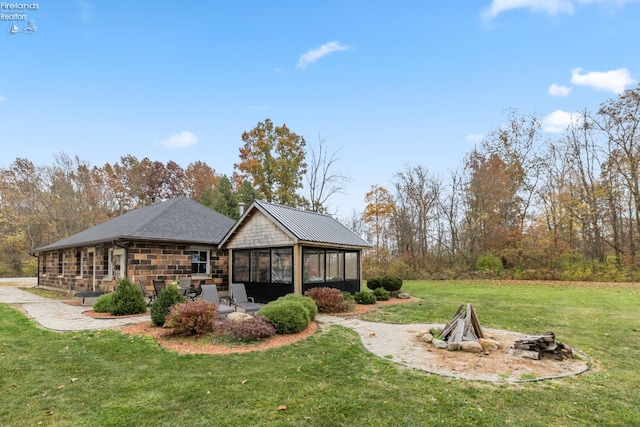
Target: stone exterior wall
x,y
144,261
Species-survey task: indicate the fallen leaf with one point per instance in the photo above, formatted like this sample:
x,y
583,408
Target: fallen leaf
x,y
244,381
60,386
73,380
372,335
282,407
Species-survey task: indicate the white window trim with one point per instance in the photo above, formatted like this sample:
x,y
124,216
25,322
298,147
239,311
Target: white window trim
x,y
60,273
81,272
207,249
113,253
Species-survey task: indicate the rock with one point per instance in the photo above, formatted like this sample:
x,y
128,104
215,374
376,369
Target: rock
x,y
404,295
426,338
471,346
239,317
489,344
453,346
439,343
422,332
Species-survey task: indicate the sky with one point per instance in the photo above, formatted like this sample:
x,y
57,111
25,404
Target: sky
x,y
384,84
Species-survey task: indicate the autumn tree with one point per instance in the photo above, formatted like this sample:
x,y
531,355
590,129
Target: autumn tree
x,y
273,157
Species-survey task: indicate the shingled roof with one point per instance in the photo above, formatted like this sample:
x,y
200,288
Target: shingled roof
x,y
305,226
177,220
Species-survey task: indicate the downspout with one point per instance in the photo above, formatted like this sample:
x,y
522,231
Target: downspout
x,y
37,270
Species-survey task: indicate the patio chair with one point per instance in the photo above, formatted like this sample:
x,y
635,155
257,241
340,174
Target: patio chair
x,y
158,286
146,294
210,294
239,299
186,286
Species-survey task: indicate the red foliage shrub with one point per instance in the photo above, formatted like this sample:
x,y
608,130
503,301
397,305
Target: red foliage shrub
x,y
192,318
329,300
257,327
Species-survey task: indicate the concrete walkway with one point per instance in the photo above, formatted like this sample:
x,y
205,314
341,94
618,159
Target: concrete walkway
x,y
55,314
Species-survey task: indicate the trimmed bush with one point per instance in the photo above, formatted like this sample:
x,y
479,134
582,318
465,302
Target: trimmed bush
x,y
307,302
103,303
381,294
330,300
391,283
288,317
127,299
258,327
192,318
163,302
374,283
489,262
348,296
365,297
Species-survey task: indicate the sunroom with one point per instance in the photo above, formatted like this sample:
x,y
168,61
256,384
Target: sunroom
x,y
275,250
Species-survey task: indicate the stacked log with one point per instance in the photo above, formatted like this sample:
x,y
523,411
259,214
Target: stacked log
x,y
464,326
537,346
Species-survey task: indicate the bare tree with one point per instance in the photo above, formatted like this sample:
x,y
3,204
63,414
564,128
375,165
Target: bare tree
x,y
322,181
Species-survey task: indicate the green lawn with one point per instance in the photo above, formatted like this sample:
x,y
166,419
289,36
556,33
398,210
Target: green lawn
x,y
110,379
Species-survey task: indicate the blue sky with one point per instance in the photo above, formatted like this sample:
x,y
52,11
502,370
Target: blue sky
x,y
386,83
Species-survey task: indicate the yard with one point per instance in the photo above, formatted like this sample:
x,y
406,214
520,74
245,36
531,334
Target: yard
x,y
107,378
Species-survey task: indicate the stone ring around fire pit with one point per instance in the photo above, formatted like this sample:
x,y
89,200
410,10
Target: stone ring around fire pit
x,y
400,343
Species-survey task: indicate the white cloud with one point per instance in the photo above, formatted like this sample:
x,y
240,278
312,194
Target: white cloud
x,y
550,7
179,140
559,121
474,138
314,54
614,81
557,90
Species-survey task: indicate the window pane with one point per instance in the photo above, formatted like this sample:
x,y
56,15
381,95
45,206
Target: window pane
x,y
351,265
199,262
335,266
282,265
313,265
240,266
260,266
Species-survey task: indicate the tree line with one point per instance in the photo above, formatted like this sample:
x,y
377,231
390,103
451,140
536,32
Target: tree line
x,y
521,205
40,204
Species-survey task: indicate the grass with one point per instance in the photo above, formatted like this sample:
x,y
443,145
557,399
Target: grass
x,y
105,378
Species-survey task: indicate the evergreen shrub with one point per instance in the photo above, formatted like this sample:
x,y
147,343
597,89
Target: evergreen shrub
x,y
307,302
374,283
382,294
162,304
127,299
103,303
391,283
365,297
288,317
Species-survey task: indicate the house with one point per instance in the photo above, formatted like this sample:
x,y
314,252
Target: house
x,y
276,250
165,240
273,249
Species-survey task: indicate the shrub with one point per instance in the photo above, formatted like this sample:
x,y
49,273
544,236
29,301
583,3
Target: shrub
x,y
365,297
381,294
103,303
258,327
163,302
288,317
489,262
329,300
348,296
192,318
307,302
391,283
374,283
127,299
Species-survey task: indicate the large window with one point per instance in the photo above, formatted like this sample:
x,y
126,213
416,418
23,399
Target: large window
x,y
329,265
263,265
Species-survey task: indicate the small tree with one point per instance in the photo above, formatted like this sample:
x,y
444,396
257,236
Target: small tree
x,y
127,299
166,298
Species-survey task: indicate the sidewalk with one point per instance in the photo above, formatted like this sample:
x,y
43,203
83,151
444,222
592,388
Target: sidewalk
x,y
54,314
